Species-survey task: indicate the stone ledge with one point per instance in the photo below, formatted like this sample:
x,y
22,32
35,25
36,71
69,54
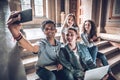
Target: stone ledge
x,y
110,37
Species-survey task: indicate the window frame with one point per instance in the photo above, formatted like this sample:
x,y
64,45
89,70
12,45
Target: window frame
x,y
32,5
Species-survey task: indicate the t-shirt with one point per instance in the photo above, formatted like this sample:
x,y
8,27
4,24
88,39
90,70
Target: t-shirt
x,y
48,54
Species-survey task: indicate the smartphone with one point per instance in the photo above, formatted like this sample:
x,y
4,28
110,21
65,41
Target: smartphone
x,y
26,16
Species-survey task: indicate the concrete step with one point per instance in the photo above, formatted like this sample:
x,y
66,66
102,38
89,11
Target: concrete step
x,y
114,60
102,44
32,76
109,50
29,64
25,54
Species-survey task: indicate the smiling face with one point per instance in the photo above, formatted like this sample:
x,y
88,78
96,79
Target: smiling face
x,y
71,36
50,30
87,26
70,21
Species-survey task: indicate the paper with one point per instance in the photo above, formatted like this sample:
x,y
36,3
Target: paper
x,y
97,73
51,68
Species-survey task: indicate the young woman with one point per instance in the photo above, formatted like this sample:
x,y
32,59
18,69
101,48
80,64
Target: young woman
x,y
47,48
75,57
89,36
70,21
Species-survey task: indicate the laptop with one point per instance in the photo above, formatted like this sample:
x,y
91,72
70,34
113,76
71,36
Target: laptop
x,y
97,73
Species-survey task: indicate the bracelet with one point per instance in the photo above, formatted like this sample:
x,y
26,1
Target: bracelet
x,y
19,34
19,37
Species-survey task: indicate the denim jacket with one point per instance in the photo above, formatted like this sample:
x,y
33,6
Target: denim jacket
x,y
66,59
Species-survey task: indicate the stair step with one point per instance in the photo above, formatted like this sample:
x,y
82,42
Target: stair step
x,y
30,60
109,50
32,76
26,54
29,64
101,43
114,60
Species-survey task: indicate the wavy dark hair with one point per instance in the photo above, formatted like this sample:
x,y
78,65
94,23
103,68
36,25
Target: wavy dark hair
x,y
93,31
47,22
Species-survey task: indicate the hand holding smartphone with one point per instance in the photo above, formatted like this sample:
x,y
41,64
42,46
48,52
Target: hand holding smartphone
x,y
25,15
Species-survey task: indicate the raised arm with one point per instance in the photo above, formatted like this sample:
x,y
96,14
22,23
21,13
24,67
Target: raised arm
x,y
15,31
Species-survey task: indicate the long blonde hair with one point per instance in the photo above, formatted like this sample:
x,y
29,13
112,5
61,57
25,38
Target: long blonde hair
x,y
65,21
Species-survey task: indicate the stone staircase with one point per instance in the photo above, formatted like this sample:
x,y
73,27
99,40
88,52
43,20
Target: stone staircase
x,y
112,53
29,59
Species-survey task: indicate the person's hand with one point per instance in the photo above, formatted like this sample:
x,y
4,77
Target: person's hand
x,y
14,16
105,77
95,38
12,26
59,67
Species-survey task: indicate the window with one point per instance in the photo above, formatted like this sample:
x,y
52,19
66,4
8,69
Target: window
x,y
25,4
39,10
38,5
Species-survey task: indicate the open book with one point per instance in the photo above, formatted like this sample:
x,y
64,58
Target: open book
x,y
97,73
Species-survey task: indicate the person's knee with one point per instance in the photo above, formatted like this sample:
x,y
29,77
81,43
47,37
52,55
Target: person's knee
x,y
46,75
67,75
51,76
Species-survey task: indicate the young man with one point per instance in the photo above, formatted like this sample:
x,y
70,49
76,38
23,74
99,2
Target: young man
x,y
75,57
47,48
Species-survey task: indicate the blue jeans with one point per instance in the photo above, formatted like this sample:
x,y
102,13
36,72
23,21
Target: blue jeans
x,y
95,54
103,58
45,74
66,74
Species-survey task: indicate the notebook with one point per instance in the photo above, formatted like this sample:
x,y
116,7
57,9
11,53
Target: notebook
x,y
97,73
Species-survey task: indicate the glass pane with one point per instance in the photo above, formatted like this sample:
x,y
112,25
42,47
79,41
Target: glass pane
x,y
24,7
25,4
38,11
38,8
38,2
25,1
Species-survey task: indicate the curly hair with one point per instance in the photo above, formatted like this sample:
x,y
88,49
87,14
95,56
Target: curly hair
x,y
93,31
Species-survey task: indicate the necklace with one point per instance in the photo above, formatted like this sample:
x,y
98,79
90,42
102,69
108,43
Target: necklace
x,y
74,48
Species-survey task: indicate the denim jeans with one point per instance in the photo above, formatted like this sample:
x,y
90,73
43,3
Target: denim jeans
x,y
103,58
93,51
95,54
45,74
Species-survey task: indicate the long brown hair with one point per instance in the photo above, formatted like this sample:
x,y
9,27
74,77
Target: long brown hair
x,y
93,31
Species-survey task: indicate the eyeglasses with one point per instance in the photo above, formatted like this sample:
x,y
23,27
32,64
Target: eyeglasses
x,y
52,28
69,34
